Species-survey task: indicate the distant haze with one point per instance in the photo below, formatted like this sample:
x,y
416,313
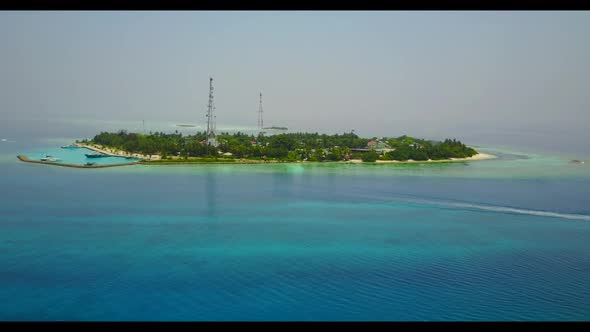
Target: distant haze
x,y
518,78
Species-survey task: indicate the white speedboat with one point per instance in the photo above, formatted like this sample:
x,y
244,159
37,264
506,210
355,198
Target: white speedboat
x,y
49,158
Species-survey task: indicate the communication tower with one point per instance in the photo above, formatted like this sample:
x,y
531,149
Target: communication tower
x,y
211,136
260,121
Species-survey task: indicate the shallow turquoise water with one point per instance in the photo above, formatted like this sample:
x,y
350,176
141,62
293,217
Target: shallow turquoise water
x,y
504,239
76,156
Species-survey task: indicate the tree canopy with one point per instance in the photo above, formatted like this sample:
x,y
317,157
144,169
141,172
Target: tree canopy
x,y
286,146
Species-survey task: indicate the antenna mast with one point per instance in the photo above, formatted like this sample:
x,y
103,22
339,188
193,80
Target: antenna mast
x,y
211,117
260,122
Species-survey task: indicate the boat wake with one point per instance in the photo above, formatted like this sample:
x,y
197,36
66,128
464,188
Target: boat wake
x,y
501,209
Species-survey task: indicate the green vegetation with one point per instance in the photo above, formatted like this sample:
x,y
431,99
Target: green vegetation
x,y
370,157
282,147
196,160
424,150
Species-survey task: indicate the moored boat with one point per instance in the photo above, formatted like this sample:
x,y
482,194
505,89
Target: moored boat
x,y
95,155
49,158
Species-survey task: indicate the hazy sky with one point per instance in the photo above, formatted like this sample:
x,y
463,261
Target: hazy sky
x,y
389,73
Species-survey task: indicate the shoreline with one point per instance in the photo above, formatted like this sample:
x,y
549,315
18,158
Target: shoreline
x,y
236,162
146,160
115,153
479,156
155,160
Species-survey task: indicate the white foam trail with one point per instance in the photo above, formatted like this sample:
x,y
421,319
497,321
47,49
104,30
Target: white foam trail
x,y
504,209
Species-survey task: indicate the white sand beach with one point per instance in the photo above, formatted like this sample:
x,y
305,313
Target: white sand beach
x,y
119,153
479,156
115,152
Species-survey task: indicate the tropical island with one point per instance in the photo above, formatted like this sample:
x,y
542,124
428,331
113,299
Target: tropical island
x,y
209,147
174,148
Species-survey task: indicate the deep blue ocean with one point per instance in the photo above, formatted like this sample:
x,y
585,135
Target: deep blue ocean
x,y
502,239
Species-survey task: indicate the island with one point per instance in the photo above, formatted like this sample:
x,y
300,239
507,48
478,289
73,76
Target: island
x,y
175,148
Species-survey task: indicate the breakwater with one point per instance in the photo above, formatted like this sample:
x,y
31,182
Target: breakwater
x,y
27,160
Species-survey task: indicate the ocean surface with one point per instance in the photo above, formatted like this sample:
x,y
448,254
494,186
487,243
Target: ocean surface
x,y
502,239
